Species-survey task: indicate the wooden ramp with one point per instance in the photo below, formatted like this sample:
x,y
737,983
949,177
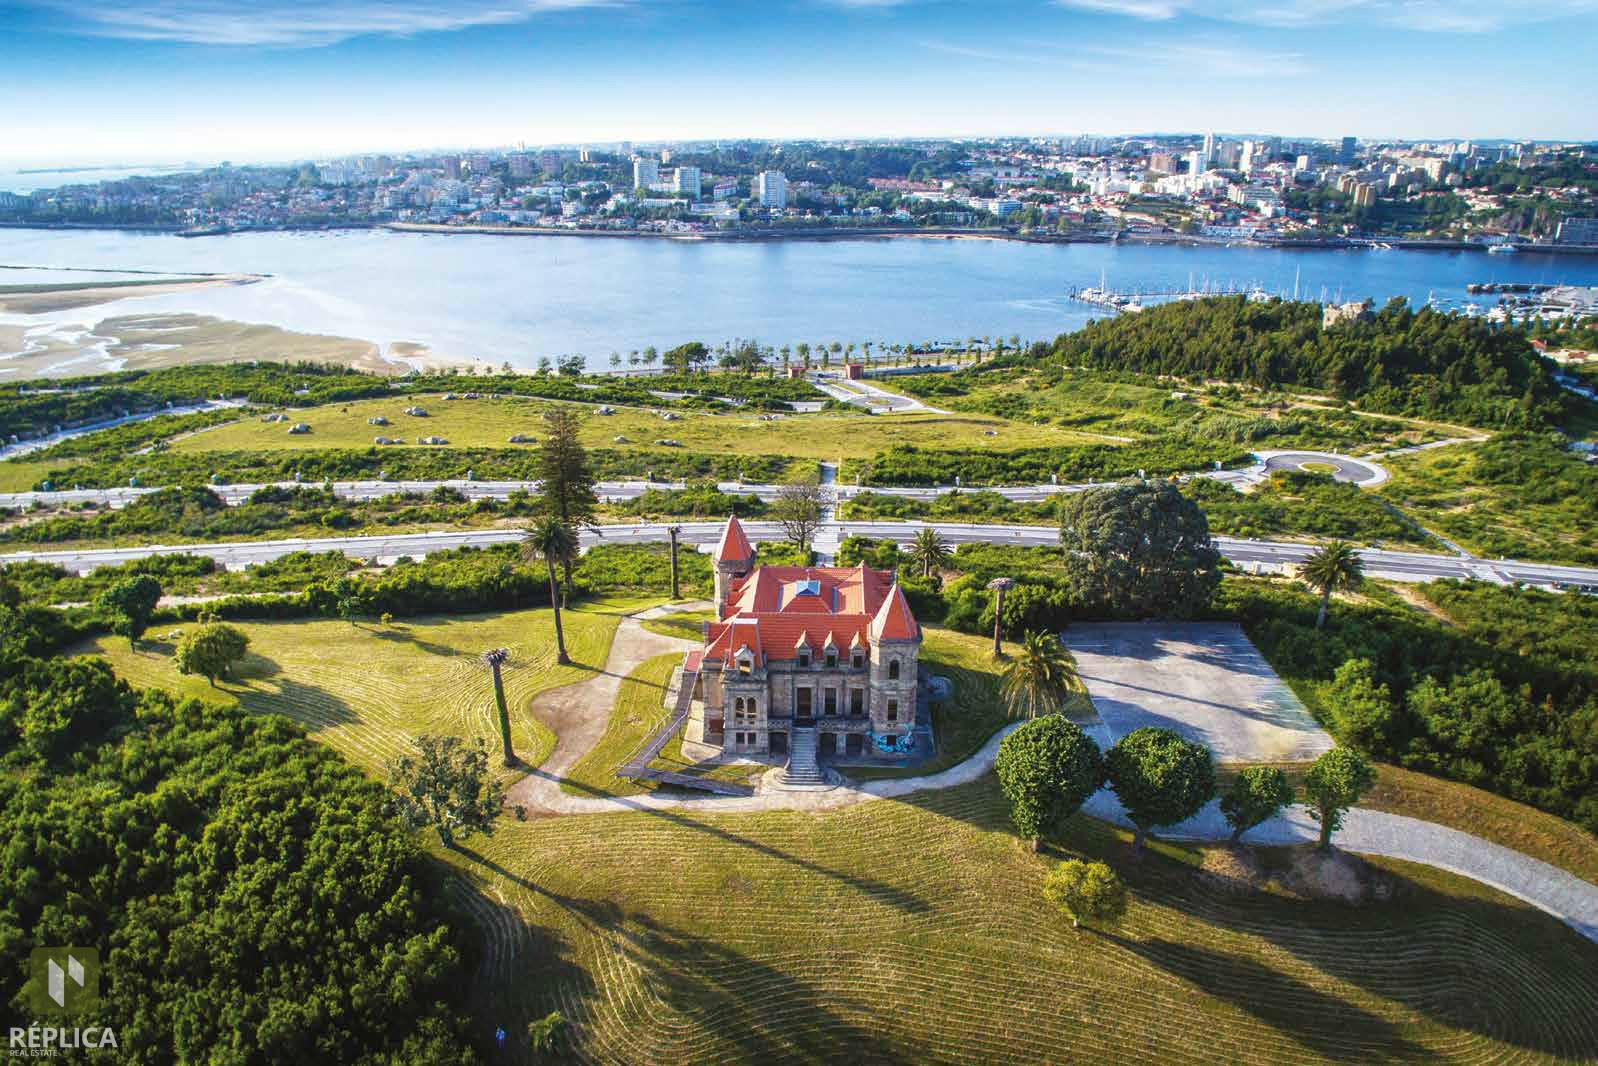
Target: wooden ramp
x,y
637,767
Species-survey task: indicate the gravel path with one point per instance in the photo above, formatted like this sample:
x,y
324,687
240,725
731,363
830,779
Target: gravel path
x,y
578,713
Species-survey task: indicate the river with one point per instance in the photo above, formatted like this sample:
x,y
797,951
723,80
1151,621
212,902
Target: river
x,y
516,298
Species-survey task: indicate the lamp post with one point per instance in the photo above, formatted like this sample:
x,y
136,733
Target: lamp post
x,y
999,585
495,659
672,532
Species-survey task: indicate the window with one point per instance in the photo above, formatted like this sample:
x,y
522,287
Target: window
x,y
804,658
829,700
744,666
857,701
893,669
832,659
857,660
893,710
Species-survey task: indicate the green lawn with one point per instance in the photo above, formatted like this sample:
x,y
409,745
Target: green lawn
x,y
686,625
639,710
489,423
914,931
366,689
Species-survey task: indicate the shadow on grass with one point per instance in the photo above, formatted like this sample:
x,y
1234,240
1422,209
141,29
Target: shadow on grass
x,y
312,707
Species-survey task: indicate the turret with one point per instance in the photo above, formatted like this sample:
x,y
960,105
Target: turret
x,y
734,558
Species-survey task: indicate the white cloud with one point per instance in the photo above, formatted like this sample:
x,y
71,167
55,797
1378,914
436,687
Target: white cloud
x,y
1206,60
289,24
1433,16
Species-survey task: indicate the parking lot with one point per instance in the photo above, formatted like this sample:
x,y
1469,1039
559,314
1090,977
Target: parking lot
x,y
1204,680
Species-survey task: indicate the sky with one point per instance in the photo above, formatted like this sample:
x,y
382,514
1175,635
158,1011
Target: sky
x,y
148,81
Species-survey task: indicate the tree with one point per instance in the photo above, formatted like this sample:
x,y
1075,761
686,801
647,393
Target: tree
x,y
1159,778
686,357
211,650
553,541
494,660
1086,892
446,785
1040,678
1334,784
1360,707
999,586
566,479
128,605
1047,769
930,551
673,532
799,506
1138,549
1256,795
543,1034
1336,567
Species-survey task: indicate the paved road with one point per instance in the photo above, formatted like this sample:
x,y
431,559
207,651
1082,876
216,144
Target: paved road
x,y
19,448
1251,555
1361,472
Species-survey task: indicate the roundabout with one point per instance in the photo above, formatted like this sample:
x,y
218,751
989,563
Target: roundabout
x,y
1361,472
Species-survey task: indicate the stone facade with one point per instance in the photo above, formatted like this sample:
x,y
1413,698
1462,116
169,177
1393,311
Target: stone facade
x,y
826,648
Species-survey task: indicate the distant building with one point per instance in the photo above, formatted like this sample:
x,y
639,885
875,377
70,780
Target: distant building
x,y
686,179
1006,208
1577,231
1162,163
1197,162
1345,154
646,172
771,189
725,190
1335,314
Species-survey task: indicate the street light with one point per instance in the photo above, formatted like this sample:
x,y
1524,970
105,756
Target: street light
x,y
999,585
494,660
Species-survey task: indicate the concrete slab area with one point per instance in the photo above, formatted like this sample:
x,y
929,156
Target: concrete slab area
x,y
1204,680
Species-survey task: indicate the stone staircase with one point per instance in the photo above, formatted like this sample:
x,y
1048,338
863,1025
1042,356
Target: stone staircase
x,y
802,770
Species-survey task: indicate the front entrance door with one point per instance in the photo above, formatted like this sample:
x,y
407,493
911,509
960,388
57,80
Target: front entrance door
x,y
803,710
779,743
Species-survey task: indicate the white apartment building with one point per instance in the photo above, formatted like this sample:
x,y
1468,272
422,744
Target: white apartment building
x,y
686,179
771,189
646,172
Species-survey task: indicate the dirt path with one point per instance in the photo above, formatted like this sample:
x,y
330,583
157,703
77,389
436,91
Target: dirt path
x,y
578,713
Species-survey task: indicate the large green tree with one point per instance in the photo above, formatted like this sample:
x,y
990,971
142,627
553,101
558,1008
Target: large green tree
x,y
445,784
1256,795
929,551
1047,769
129,604
1137,550
1160,778
211,650
566,478
1335,783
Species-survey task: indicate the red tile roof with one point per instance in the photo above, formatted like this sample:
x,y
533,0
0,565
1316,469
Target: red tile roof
x,y
734,546
776,608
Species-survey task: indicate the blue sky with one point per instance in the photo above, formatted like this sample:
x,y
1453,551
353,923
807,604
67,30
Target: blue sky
x,y
152,80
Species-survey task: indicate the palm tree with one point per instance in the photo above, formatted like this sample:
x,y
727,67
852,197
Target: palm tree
x,y
1333,568
1040,678
999,586
553,541
929,551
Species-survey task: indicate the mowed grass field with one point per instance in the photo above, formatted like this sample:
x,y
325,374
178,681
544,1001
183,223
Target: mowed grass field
x,y
490,423
914,931
367,689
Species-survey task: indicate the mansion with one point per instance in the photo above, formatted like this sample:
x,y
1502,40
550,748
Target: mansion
x,y
829,650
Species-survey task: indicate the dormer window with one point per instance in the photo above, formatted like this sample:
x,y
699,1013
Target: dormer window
x,y
746,661
832,658
804,659
857,660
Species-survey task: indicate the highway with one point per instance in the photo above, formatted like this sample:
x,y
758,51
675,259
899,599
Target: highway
x,y
1263,556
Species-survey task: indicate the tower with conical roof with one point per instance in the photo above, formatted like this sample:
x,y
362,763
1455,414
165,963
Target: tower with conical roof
x,y
895,648
734,558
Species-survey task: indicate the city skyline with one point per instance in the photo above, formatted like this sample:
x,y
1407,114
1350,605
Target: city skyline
x,y
176,80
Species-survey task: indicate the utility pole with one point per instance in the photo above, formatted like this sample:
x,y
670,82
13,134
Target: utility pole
x,y
672,532
495,659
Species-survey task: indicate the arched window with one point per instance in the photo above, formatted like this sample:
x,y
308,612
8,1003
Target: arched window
x,y
738,706
893,669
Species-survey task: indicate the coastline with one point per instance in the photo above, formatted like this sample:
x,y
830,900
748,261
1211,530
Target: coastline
x,y
852,233
39,299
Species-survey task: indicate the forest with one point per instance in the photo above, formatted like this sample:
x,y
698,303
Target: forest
x,y
1421,364
243,885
